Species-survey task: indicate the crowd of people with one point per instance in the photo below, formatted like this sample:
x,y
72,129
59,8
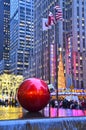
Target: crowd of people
x,y
81,104
73,104
12,102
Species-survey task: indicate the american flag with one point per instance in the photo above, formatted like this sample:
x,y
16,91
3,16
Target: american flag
x,y
58,13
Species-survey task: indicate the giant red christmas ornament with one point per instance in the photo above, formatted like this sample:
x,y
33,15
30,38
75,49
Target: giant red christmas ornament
x,y
33,94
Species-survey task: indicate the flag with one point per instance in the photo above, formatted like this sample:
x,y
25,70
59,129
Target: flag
x,y
44,22
48,22
51,20
58,13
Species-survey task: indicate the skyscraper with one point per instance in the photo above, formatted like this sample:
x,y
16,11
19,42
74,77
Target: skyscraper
x,y
70,35
21,35
45,42
4,35
76,41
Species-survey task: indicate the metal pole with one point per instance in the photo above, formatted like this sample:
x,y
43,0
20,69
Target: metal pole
x,y
56,56
42,52
56,29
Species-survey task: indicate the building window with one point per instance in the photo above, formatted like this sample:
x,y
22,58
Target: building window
x,y
80,62
83,43
77,1
82,85
77,11
77,82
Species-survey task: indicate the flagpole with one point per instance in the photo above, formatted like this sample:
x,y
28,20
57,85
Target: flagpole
x,y
58,16
56,57
49,53
42,57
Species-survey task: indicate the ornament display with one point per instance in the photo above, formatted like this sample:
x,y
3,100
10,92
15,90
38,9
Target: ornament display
x,y
33,94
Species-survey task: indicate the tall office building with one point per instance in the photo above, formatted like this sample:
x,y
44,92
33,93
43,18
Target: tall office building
x,y
21,35
45,42
76,41
4,35
69,34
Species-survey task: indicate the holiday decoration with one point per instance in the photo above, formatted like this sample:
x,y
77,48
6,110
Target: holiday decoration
x,y
33,94
61,77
